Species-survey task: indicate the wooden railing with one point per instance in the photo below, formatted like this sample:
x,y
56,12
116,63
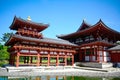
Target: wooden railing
x,y
28,33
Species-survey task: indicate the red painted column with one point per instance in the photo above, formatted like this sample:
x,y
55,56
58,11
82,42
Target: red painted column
x,y
17,61
31,58
90,54
57,64
94,52
98,55
38,59
84,53
103,53
65,59
48,64
72,59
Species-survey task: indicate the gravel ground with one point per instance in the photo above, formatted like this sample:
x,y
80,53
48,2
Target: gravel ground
x,y
60,72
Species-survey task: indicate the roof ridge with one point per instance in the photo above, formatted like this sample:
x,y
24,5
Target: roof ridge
x,y
38,26
100,21
82,26
31,21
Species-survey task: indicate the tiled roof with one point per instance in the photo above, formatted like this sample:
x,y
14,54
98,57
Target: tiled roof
x,y
31,22
115,48
90,30
47,40
83,26
15,24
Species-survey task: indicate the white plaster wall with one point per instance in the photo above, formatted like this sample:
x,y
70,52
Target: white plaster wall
x,y
87,58
101,59
93,58
100,52
106,56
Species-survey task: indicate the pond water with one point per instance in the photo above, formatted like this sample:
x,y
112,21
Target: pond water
x,y
56,78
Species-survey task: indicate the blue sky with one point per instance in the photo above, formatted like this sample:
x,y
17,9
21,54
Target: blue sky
x,y
63,16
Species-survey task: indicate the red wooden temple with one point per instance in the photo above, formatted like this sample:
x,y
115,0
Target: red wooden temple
x,y
28,46
94,42
90,43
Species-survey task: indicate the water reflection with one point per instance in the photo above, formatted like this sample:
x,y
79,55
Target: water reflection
x,y
57,78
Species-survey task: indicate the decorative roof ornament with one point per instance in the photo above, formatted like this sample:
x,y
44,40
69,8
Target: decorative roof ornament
x,y
84,19
28,18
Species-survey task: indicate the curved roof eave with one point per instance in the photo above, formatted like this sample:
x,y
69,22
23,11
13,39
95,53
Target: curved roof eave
x,y
38,25
7,43
44,40
88,30
114,48
84,24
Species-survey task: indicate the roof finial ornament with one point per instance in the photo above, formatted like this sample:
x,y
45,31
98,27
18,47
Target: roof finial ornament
x,y
100,19
28,18
84,19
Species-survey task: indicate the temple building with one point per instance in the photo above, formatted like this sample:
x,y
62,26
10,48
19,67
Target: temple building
x,y
90,43
97,43
28,46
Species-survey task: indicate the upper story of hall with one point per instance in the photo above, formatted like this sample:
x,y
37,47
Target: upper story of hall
x,y
92,33
27,27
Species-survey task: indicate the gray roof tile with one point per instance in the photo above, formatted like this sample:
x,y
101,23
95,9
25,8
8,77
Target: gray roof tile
x,y
48,40
115,48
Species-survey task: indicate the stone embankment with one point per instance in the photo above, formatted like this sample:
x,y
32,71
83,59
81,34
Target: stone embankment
x,y
61,71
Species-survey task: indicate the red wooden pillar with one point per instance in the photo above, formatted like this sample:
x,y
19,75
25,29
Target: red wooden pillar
x,y
48,63
72,59
103,53
95,53
57,64
65,59
90,54
38,59
98,54
84,53
17,59
28,58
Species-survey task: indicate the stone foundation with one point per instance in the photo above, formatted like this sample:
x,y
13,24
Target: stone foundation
x,y
94,64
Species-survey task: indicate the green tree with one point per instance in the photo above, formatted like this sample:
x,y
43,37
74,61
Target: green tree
x,y
5,37
4,55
